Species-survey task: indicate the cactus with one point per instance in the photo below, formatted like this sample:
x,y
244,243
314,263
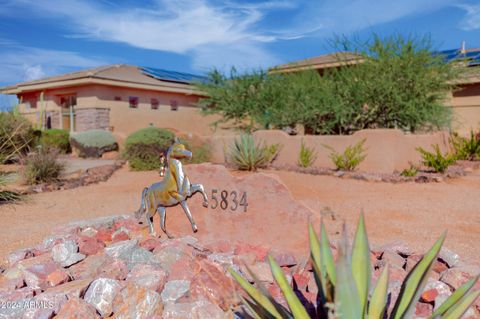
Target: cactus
x,y
344,287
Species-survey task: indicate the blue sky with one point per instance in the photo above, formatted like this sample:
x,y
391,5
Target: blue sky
x,y
45,37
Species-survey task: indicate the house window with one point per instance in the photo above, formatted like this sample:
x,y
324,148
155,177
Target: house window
x,y
154,103
117,98
133,102
173,105
31,103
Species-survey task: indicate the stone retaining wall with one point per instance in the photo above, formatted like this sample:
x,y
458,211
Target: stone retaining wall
x,y
388,150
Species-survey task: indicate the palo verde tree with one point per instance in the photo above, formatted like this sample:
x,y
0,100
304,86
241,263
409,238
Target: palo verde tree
x,y
397,83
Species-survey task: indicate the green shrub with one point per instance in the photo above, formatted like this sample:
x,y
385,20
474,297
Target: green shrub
x,y
350,158
466,148
143,147
436,160
245,154
16,136
6,195
307,156
42,166
410,171
93,143
56,138
344,287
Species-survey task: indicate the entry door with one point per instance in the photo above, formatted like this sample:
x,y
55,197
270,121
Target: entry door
x,y
68,103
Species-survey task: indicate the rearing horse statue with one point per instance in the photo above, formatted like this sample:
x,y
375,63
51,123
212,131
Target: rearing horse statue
x,y
175,188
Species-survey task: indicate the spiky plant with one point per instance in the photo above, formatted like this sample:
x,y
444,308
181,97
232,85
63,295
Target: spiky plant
x,y
466,148
436,160
6,195
307,155
344,287
247,155
350,158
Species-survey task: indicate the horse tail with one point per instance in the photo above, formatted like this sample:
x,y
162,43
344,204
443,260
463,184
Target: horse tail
x,y
143,206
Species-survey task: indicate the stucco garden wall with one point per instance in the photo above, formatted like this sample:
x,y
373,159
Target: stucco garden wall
x,y
387,150
466,109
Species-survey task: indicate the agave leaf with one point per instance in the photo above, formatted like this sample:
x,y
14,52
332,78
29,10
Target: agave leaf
x,y
415,281
327,257
262,300
298,310
455,297
347,303
456,311
315,253
361,265
378,302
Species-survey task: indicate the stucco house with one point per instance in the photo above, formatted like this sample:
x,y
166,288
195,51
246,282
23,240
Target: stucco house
x,y
465,99
120,98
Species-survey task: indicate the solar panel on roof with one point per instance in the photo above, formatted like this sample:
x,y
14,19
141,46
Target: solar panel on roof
x,y
172,76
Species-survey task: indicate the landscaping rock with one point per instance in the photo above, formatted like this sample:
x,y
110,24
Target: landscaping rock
x,y
121,248
194,310
423,310
57,277
35,276
90,245
175,289
148,277
66,253
134,302
455,277
284,259
451,258
72,289
18,255
393,259
76,308
101,293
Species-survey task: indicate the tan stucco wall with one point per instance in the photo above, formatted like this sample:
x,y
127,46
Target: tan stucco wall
x,y
466,109
387,150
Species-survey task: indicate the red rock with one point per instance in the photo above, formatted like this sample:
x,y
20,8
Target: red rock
x,y
455,277
90,267
212,284
130,224
245,259
76,308
221,246
148,276
301,280
90,245
72,289
284,259
104,234
149,243
35,276
116,269
423,310
412,260
120,236
396,274
439,266
392,258
18,255
134,300
184,269
277,294
57,277
429,295
18,294
260,252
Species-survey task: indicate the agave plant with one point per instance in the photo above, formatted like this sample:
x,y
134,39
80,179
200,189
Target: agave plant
x,y
245,154
344,288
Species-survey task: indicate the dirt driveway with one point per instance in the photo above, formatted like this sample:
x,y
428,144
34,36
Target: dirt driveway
x,y
416,213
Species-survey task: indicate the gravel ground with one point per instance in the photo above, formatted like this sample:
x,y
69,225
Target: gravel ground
x,y
415,213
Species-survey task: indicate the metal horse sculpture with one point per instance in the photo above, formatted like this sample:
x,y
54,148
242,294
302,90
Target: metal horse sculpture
x,y
175,188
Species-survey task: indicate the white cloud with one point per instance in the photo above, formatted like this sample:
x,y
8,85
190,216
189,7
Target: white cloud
x,y
472,18
19,63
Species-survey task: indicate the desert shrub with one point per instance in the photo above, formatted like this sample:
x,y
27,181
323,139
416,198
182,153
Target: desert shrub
x,y
16,136
6,195
201,152
344,285
247,155
436,160
42,166
93,143
466,148
350,158
56,138
411,171
307,156
143,147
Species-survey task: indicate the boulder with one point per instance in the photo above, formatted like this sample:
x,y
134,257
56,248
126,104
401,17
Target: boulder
x,y
101,293
76,308
148,277
174,289
134,302
258,222
66,253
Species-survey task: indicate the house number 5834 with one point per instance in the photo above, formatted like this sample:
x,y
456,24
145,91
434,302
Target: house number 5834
x,y
224,199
